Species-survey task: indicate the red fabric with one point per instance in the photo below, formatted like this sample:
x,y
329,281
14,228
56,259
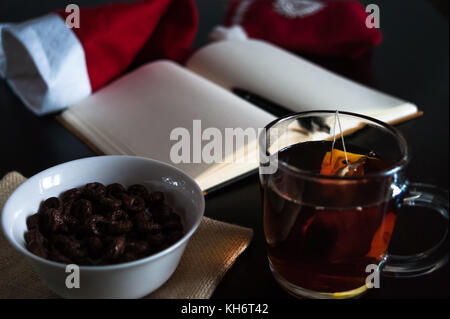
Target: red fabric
x,y
338,29
116,35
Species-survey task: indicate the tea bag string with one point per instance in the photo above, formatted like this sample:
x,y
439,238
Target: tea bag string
x,y
336,119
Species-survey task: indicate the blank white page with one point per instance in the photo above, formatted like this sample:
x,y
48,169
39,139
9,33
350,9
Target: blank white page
x,y
291,81
135,114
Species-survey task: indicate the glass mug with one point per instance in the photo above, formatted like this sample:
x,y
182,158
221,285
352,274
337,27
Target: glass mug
x,y
323,231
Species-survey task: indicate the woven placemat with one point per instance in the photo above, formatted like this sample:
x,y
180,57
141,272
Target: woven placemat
x,y
209,254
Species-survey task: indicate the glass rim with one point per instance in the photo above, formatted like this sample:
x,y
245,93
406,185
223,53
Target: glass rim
x,y
397,166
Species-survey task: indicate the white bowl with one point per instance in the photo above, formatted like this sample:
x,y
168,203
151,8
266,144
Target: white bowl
x,y
127,280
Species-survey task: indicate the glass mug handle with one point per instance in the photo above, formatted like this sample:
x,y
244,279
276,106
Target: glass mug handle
x,y
421,195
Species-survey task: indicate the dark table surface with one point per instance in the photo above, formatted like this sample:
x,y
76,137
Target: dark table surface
x,y
411,63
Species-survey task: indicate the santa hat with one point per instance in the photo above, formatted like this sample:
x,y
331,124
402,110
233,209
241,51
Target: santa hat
x,y
51,66
327,28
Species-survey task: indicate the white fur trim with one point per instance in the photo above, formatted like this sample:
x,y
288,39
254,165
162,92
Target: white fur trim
x,y
235,32
44,63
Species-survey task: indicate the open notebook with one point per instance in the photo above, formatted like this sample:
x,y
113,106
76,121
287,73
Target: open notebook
x,y
136,114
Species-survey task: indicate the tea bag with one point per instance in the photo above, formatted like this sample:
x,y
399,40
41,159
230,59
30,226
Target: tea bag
x,y
342,163
337,163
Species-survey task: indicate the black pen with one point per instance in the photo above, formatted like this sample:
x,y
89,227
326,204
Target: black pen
x,y
311,123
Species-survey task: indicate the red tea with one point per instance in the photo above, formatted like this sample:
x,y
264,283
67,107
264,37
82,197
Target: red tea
x,y
322,234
